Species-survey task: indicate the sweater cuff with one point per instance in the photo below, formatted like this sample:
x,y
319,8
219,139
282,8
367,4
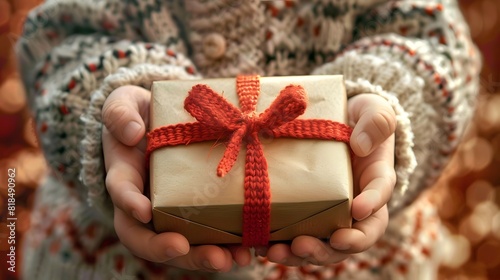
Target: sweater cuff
x,y
93,170
403,91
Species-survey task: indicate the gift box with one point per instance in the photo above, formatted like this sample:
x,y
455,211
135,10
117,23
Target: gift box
x,y
250,160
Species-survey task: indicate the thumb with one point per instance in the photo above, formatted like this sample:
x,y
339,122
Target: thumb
x,y
374,121
125,114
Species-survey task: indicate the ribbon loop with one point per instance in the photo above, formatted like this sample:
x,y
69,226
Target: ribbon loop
x,y
290,104
211,109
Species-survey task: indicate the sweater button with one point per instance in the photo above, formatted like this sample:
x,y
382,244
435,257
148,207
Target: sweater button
x,y
214,46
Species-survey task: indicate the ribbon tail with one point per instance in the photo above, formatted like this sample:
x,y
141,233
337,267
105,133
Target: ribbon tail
x,y
231,152
314,129
257,204
180,134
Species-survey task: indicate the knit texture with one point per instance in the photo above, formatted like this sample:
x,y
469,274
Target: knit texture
x,y
73,54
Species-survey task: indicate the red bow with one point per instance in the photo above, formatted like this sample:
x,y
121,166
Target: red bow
x,y
219,119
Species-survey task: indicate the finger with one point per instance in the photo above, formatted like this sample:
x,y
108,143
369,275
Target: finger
x,y
377,178
362,235
282,254
125,177
316,251
241,255
145,243
374,121
124,113
207,257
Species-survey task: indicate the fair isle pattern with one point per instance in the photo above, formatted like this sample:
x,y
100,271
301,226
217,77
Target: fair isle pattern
x,y
240,22
434,104
447,83
65,232
413,255
59,119
75,53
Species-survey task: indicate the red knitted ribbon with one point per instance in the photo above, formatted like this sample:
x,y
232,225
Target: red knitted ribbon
x,y
218,119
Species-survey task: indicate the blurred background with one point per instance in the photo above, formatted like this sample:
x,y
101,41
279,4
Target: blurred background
x,y
468,191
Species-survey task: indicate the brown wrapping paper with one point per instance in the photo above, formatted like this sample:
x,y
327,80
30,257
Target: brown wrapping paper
x,y
311,182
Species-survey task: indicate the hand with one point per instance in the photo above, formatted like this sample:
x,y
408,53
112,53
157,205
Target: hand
x,y
125,115
374,177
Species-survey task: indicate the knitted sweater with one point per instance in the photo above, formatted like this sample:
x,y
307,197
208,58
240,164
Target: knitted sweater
x,y
73,54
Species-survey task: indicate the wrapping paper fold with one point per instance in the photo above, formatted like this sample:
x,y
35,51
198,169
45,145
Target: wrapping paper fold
x,y
311,181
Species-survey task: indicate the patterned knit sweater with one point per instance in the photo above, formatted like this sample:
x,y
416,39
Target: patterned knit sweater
x,y
73,54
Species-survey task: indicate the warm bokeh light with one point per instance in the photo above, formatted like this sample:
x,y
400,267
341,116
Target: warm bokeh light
x,y
11,103
479,191
477,154
488,253
495,226
459,246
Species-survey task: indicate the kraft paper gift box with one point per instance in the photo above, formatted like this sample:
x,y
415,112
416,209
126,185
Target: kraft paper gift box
x,y
310,179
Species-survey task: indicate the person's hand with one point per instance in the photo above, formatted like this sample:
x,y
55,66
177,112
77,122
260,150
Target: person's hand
x,y
374,177
125,116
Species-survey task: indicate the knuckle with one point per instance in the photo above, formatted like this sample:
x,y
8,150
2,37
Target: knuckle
x,y
113,189
383,221
388,180
359,247
155,254
114,113
117,226
384,172
388,174
369,242
385,122
193,262
110,187
391,178
109,182
313,262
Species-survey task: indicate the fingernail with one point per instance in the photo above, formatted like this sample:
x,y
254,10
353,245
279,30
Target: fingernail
x,y
208,265
340,246
364,142
131,130
173,253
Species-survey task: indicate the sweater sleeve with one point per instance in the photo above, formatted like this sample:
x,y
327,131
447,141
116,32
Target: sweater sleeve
x,y
419,56
72,55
